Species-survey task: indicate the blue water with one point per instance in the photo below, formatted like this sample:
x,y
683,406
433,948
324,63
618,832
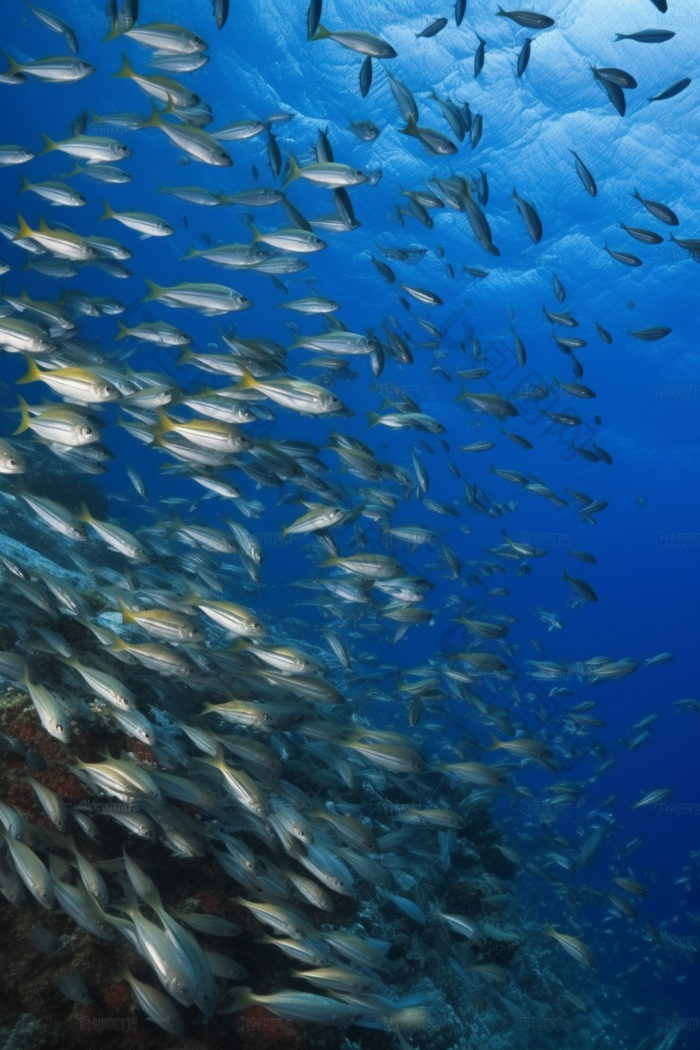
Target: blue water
x,y
647,541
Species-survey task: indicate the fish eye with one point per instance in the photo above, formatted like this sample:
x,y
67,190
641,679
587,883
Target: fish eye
x,y
13,462
59,728
87,430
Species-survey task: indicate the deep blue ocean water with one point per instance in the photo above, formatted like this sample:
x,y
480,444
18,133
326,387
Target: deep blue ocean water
x,y
647,541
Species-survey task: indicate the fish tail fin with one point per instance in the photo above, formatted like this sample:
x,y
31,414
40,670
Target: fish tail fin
x,y
26,419
192,253
501,12
186,355
321,33
164,423
294,169
24,185
327,563
154,121
13,65
373,418
619,36
84,514
126,612
411,126
126,70
154,290
255,231
636,194
247,381
123,331
49,145
108,212
23,229
118,28
32,373
496,745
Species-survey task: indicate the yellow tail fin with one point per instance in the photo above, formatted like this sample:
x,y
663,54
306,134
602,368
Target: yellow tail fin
x,y
294,169
126,70
123,332
108,214
23,230
49,145
32,373
154,291
26,419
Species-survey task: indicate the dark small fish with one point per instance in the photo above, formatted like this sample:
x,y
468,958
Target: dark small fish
x,y
645,236
185,222
623,257
586,454
451,272
460,11
72,985
689,244
519,347
672,91
564,318
598,421
479,56
273,154
647,36
475,271
405,303
206,238
614,93
221,12
78,126
650,335
524,56
279,285
476,131
254,172
603,333
467,116
659,211
45,941
313,17
603,456
585,175
559,289
616,76
482,188
34,760
530,217
661,5
576,366
528,19
324,150
365,75
434,28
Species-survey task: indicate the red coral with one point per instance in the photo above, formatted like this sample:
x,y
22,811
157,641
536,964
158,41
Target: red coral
x,y
118,995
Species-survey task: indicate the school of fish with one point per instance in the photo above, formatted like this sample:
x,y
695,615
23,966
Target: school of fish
x,y
167,704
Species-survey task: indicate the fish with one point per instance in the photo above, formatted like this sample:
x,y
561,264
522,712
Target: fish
x,y
672,90
573,947
531,219
527,19
585,176
434,28
524,57
361,42
660,211
647,36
